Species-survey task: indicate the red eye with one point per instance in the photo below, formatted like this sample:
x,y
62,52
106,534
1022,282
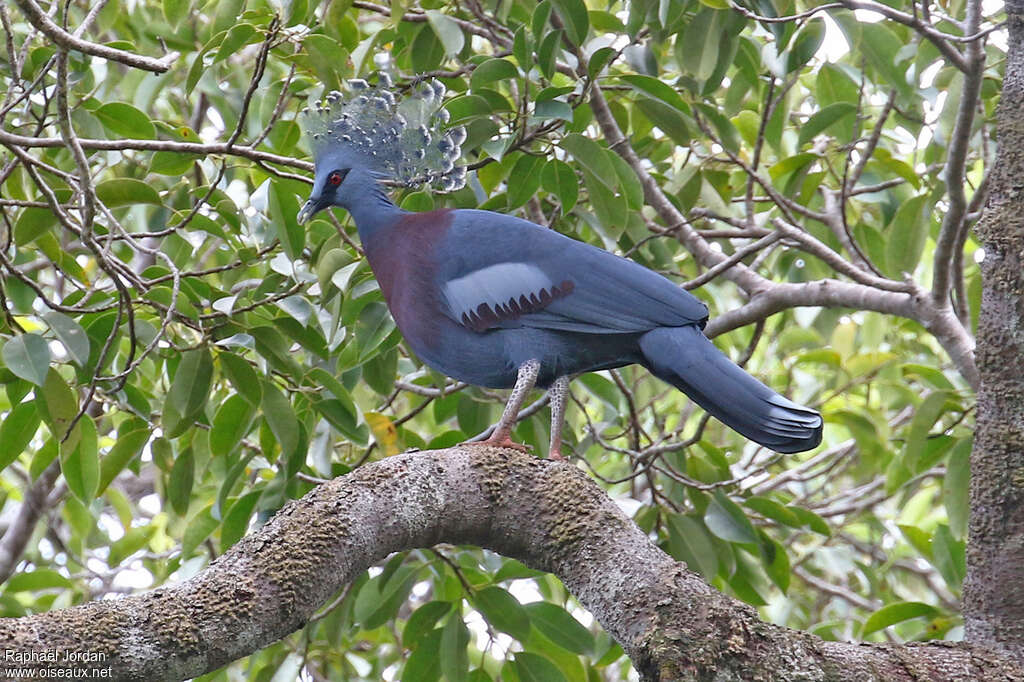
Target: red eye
x,y
335,178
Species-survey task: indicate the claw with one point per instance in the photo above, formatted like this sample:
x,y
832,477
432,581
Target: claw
x,y
505,442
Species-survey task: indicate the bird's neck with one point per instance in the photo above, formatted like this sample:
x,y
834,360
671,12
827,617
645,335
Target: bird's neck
x,y
372,210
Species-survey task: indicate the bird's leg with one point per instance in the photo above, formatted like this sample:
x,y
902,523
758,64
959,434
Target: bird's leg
x,y
557,394
525,380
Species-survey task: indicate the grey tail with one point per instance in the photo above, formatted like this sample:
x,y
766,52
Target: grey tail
x,y
685,358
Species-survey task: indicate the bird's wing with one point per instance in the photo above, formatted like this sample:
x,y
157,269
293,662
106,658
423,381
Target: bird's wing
x,y
500,271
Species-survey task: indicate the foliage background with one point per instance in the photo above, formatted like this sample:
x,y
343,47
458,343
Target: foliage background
x,y
180,357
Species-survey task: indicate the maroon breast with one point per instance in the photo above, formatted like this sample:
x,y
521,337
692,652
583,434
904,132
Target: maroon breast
x,y
402,258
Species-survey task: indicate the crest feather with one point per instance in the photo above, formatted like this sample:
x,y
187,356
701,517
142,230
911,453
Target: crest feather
x,y
402,138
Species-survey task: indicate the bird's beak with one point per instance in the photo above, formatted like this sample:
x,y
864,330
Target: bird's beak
x,y
307,211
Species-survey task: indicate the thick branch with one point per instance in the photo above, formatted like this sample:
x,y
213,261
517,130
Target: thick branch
x,y
550,515
993,596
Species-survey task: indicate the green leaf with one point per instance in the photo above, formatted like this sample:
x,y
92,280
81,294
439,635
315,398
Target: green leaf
x,y
524,180
805,44
927,413
833,85
424,664
58,405
811,520
238,36
126,192
127,447
503,611
179,485
124,120
890,614
552,109
539,20
283,206
560,627
657,90
242,376
453,655
907,233
191,385
776,562
32,223
39,579
17,430
81,468
592,157
536,668
28,356
448,32
955,487
823,119
948,556
172,163
132,541
280,417
71,334
918,539
198,529
547,53
725,519
727,133
558,178
670,120
603,389
522,46
575,19
598,60
422,621
771,509
236,521
231,424
176,10
697,47
380,598
688,541
491,71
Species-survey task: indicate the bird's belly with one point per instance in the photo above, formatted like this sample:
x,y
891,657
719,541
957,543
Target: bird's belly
x,y
492,358
462,354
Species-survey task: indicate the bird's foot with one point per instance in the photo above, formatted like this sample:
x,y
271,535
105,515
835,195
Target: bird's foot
x,y
501,442
557,455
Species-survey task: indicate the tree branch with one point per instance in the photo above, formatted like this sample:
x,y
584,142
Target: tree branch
x,y
956,162
243,151
38,18
549,515
941,322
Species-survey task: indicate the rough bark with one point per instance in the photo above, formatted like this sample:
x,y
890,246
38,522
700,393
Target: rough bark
x,y
550,515
994,589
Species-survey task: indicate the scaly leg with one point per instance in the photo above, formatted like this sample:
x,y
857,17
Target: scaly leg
x,y
525,380
558,393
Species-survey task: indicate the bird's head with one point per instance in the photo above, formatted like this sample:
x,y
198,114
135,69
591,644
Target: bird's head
x,y
369,135
338,181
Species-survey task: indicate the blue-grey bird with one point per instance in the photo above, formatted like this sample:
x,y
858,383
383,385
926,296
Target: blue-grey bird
x,y
497,301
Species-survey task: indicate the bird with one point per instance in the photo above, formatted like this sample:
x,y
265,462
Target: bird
x,y
497,301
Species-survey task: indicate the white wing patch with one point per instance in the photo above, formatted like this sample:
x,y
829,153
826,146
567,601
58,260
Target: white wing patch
x,y
499,292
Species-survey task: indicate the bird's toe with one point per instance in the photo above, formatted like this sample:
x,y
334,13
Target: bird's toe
x,y
505,442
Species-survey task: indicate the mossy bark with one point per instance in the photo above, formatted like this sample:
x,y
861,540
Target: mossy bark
x,y
550,515
994,588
